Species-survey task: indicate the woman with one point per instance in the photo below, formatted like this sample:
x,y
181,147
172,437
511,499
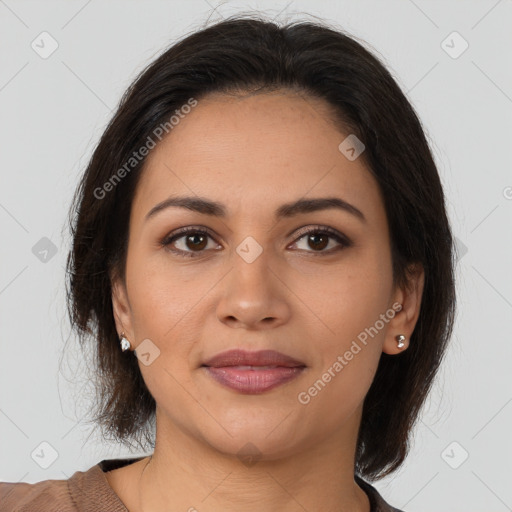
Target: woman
x,y
262,257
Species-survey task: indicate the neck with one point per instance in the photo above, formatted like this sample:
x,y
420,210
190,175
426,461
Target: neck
x,y
186,473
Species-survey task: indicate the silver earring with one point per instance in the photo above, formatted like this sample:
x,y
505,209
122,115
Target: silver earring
x,y
125,344
400,339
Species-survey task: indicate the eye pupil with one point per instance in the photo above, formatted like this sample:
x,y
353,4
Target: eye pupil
x,y
314,239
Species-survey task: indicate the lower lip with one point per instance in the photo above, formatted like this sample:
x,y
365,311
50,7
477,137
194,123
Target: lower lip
x,y
253,381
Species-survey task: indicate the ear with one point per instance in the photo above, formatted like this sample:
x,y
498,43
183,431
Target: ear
x,y
409,296
121,309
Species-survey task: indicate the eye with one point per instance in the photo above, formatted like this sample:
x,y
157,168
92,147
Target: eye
x,y
193,238
318,239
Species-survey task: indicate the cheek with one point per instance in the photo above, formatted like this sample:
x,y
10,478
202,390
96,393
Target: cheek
x,y
161,292
164,306
348,354
347,296
351,302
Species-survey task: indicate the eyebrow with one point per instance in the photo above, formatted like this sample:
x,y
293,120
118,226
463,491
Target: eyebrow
x,y
215,209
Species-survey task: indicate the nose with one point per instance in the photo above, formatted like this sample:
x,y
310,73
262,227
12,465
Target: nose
x,y
253,295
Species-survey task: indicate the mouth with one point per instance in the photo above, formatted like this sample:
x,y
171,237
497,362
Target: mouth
x,y
259,359
253,372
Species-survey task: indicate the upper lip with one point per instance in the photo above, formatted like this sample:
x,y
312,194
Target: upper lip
x,y
238,357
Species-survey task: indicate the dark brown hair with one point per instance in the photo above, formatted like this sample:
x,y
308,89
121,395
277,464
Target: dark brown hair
x,y
249,53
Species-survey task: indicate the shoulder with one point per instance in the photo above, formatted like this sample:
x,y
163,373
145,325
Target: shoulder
x,y
46,495
377,502
83,491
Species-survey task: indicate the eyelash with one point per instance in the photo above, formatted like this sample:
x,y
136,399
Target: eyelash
x,y
324,230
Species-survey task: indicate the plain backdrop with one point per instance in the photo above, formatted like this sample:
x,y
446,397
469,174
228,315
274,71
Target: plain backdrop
x,y
452,59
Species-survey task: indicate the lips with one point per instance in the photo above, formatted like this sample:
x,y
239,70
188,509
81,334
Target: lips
x,y
253,372
262,358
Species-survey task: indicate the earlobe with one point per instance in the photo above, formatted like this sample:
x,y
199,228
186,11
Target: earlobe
x,y
402,325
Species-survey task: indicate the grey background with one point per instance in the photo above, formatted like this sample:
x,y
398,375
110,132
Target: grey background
x,y
53,111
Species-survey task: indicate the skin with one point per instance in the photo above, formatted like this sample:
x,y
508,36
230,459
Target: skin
x,y
253,153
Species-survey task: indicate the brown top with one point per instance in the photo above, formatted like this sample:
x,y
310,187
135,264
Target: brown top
x,y
89,491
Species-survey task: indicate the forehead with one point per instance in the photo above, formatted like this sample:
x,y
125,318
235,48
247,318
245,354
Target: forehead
x,y
254,150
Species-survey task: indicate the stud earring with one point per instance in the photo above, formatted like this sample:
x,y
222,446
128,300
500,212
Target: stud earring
x,y
125,344
400,339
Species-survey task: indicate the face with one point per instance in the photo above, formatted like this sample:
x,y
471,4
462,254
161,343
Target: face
x,y
315,285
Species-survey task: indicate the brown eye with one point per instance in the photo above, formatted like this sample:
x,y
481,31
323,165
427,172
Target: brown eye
x,y
317,239
187,242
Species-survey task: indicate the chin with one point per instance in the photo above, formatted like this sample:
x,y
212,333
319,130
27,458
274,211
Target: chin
x,y
251,446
